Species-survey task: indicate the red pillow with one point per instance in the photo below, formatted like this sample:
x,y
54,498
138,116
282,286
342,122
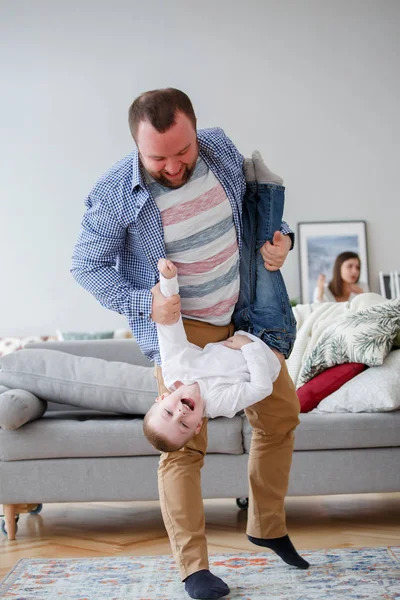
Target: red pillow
x,y
311,393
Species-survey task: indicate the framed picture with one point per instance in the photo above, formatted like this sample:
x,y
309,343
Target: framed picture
x,y
320,242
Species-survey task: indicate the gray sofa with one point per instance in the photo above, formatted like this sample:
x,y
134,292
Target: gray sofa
x,y
82,455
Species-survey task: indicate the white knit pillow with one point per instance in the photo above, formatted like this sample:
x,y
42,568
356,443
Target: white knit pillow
x,y
375,390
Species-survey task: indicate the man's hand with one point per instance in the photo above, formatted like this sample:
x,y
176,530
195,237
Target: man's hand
x,y
237,341
274,255
164,311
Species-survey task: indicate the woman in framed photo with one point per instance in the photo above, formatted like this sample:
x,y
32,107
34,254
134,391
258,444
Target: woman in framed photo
x,y
344,284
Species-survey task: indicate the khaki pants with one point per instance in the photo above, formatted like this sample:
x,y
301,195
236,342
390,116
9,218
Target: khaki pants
x,y
273,420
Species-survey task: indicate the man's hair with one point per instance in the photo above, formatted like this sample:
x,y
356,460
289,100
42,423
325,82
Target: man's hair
x,y
157,440
159,108
336,285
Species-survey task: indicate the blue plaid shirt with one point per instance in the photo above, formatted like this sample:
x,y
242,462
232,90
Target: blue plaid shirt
x,y
121,239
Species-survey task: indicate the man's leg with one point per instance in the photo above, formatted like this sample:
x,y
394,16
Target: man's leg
x,y
274,420
180,493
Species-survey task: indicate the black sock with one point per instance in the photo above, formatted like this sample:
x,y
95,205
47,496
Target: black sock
x,y
205,586
284,548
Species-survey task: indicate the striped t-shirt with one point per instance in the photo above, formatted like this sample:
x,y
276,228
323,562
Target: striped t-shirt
x,y
200,238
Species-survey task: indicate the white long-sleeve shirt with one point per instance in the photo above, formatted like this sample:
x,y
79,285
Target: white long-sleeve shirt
x,y
229,379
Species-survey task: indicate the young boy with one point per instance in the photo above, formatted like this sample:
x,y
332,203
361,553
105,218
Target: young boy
x,y
223,378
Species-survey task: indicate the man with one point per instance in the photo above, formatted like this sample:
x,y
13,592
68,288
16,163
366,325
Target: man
x,y
179,196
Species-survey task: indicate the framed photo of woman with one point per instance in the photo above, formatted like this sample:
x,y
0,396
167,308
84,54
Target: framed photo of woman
x,y
320,242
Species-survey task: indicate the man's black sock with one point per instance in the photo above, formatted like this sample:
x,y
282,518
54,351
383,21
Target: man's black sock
x,y
205,586
284,548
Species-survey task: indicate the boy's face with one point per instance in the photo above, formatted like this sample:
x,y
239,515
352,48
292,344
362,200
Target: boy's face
x,y
179,414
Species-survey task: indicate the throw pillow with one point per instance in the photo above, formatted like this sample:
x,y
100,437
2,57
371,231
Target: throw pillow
x,y
311,393
11,344
80,380
363,337
17,407
375,390
83,335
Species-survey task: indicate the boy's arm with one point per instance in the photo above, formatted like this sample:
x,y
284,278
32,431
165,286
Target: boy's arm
x,y
171,338
264,368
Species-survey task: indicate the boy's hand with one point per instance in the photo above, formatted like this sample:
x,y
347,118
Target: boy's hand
x,y
274,255
167,268
237,341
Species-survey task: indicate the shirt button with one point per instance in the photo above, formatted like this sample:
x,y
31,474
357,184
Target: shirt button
x,y
140,314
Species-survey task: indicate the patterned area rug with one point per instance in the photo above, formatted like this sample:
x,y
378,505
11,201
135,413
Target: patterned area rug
x,y
345,574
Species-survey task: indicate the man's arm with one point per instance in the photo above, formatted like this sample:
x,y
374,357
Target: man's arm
x,y
94,259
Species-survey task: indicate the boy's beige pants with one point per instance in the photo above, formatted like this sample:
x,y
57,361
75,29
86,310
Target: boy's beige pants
x,y
273,421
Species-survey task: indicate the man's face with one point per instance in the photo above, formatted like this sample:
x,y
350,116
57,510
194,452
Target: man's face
x,y
169,157
179,414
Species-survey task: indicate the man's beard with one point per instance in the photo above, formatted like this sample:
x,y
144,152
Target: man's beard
x,y
186,175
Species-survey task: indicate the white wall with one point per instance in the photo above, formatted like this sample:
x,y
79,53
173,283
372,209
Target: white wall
x,y
312,84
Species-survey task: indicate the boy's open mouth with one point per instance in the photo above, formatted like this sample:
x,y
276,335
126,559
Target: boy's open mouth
x,y
188,402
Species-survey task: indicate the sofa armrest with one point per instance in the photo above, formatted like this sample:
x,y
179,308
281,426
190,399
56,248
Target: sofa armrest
x,y
126,351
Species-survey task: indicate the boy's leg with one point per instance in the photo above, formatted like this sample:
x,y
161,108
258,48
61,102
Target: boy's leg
x,y
263,307
270,204
273,420
180,490
247,267
270,311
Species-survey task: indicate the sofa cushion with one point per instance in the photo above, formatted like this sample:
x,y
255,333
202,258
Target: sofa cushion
x,y
18,407
85,381
334,431
311,393
80,434
127,351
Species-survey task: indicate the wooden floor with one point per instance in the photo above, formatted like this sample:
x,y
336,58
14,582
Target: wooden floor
x,y
136,528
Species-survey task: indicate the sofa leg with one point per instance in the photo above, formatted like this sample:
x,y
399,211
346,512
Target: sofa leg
x,y
9,517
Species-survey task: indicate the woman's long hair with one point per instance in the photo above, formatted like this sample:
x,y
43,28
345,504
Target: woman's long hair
x,y
336,285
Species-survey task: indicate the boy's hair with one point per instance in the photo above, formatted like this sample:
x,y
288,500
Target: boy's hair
x,y
157,439
159,108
